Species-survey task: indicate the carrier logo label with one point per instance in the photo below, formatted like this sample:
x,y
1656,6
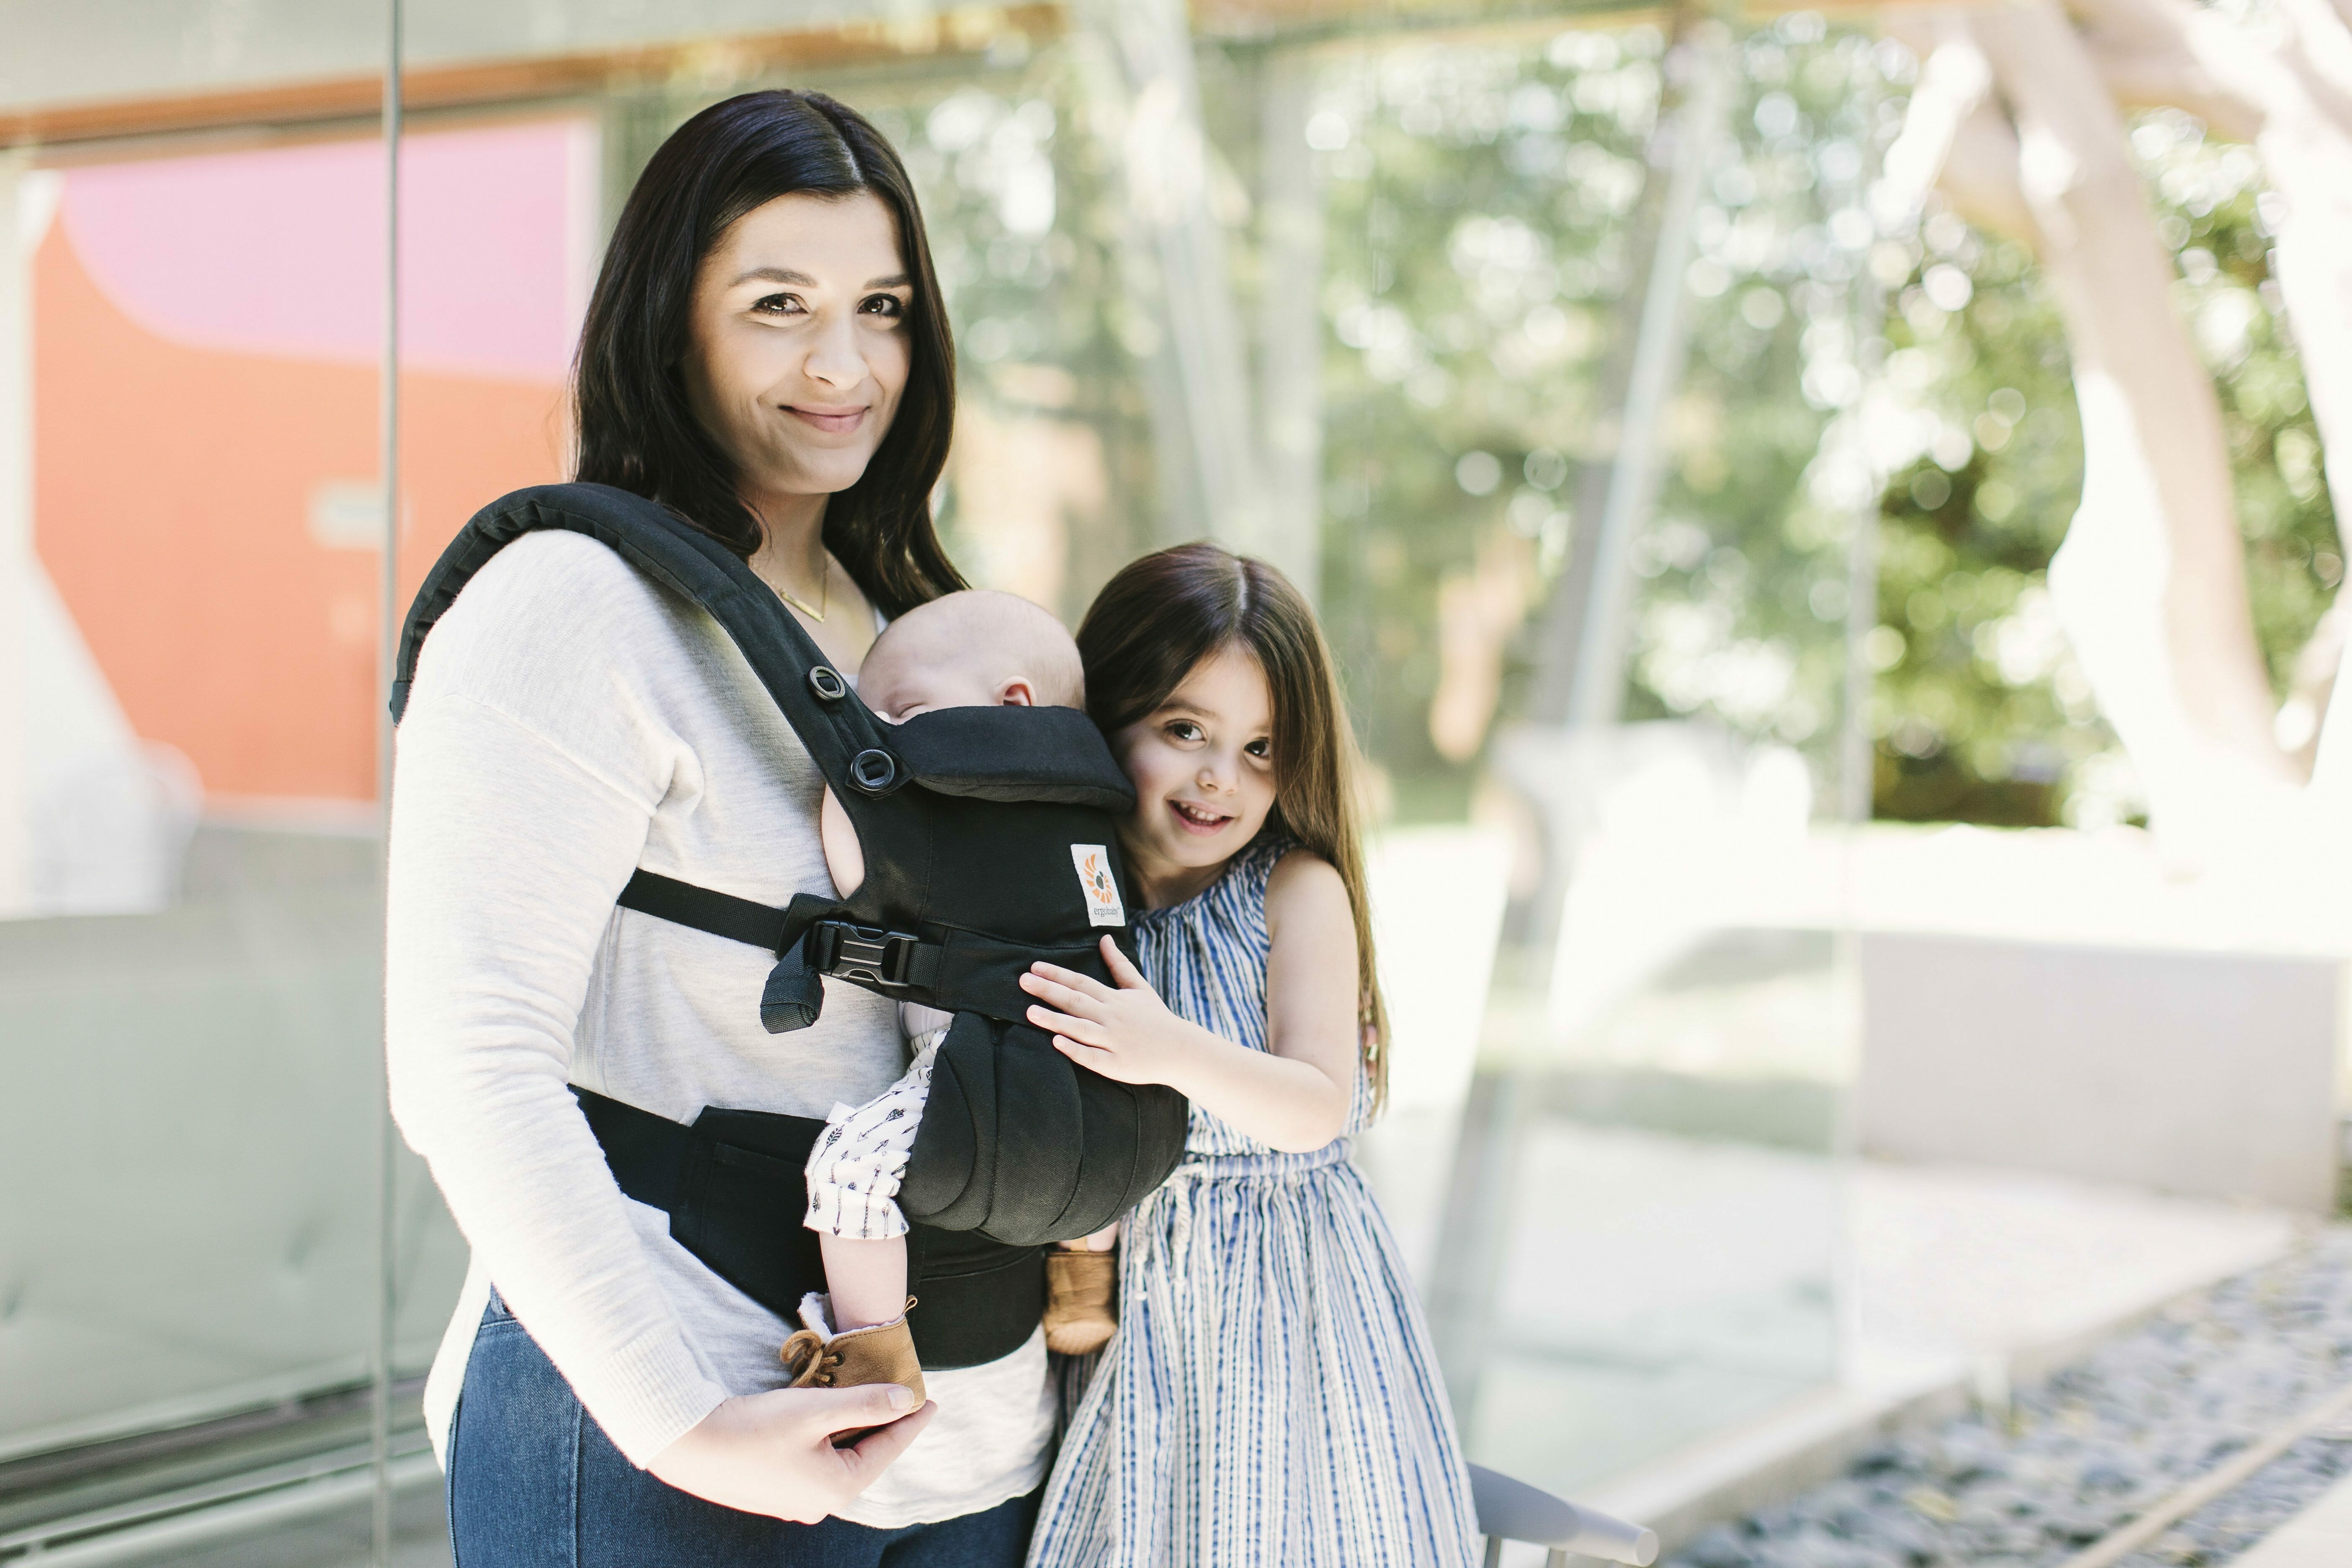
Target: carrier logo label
x,y
1103,908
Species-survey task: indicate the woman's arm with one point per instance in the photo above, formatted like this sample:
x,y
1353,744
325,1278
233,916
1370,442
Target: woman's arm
x,y
1295,1094
507,852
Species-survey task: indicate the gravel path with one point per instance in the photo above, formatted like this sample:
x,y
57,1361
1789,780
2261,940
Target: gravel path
x,y
2113,1435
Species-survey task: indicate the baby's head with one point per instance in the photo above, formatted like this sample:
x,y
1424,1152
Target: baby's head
x,y
978,649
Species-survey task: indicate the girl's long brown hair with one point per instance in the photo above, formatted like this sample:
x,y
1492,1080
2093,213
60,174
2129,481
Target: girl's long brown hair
x,y
1158,619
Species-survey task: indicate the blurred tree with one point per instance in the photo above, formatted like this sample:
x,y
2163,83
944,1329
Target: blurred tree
x,y
1984,715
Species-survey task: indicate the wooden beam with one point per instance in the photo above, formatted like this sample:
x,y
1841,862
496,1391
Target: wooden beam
x,y
1288,21
963,30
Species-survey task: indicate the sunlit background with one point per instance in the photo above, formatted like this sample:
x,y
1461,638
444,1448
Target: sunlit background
x,y
1840,973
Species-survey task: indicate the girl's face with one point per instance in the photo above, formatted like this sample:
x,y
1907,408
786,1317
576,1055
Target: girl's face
x,y
1202,765
799,345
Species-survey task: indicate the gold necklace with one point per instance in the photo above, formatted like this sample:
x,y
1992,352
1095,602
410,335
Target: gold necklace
x,y
824,593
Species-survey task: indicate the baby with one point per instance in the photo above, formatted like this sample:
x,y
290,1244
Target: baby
x,y
972,649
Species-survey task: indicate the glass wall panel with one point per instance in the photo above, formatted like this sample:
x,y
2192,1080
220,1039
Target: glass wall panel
x,y
189,965
191,538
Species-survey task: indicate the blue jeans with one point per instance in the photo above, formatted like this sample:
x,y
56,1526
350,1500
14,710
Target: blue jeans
x,y
535,1483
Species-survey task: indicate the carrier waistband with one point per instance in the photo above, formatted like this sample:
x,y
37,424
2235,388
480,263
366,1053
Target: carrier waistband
x,y
736,1191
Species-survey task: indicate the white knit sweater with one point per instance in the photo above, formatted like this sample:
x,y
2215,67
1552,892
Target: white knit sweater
x,y
570,722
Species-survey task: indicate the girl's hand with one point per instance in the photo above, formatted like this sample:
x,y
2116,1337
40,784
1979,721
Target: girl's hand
x,y
1127,1034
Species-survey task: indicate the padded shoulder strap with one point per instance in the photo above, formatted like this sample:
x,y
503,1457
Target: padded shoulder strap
x,y
831,721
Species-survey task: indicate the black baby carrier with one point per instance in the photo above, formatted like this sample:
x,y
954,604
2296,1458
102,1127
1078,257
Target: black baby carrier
x,y
990,842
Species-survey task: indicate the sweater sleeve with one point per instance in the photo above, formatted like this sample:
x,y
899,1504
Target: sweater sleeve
x,y
507,848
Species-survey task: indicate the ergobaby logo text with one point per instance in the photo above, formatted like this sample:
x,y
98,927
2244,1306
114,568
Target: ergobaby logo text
x,y
1103,908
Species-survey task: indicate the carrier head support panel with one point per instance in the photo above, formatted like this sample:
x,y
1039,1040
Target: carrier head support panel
x,y
991,841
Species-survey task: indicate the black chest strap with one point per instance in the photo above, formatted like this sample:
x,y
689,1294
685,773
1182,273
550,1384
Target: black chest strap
x,y
720,914
836,947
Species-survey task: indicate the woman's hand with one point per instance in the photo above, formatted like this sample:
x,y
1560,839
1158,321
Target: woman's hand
x,y
773,1453
1127,1034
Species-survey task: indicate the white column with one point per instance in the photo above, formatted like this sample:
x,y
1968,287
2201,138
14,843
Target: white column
x,y
90,823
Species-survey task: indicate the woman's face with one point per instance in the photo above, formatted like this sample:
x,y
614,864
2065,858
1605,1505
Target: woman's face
x,y
799,345
1202,765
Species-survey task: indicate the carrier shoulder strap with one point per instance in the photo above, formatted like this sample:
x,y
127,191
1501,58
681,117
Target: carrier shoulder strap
x,y
849,745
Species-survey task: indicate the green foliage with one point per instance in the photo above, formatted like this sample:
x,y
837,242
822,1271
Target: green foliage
x,y
1478,214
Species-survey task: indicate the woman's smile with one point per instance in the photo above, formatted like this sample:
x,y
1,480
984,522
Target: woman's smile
x,y
832,421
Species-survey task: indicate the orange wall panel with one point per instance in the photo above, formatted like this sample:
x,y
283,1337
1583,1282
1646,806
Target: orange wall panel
x,y
173,487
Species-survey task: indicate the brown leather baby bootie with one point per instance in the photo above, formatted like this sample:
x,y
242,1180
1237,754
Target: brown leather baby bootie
x,y
885,1353
1080,1310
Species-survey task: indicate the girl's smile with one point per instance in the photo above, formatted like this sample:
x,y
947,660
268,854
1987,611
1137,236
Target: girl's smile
x,y
1201,819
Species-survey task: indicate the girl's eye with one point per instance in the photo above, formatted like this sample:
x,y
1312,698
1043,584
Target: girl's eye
x,y
886,305
1260,748
1184,730
780,305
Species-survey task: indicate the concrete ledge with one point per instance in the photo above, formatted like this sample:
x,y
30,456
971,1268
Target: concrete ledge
x,y
2202,1073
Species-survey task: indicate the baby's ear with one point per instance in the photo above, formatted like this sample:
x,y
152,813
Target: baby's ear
x,y
1017,693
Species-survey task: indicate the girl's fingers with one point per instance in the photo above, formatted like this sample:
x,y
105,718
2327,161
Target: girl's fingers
x,y
1063,996
1129,978
1084,984
1053,1023
1092,1059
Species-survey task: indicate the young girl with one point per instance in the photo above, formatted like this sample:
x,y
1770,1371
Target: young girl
x,y
1271,1395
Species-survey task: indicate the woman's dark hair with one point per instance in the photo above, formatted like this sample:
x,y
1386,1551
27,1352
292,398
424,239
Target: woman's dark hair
x,y
1153,623
637,429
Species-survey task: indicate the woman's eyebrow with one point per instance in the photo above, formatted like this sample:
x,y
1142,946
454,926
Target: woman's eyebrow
x,y
801,279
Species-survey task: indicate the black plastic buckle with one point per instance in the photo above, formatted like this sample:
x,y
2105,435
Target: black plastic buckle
x,y
863,952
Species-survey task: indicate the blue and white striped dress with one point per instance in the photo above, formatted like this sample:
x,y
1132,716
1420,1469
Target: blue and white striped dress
x,y
1271,1396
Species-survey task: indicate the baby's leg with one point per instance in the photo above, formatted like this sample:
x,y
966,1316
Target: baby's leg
x,y
1081,1293
1102,1240
852,1178
866,1281
859,1334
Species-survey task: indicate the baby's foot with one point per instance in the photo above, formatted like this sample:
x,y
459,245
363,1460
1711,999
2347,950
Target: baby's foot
x,y
819,1358
1080,1314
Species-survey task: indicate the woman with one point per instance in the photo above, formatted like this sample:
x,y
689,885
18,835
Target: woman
x,y
766,353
